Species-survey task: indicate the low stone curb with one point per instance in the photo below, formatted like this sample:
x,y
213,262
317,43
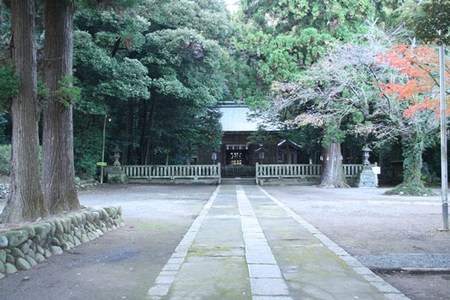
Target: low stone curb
x,y
23,248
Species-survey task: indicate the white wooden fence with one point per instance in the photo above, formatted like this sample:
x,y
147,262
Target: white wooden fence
x,y
300,171
196,172
173,172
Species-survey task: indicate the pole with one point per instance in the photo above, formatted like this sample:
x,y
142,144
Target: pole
x,y
444,170
103,149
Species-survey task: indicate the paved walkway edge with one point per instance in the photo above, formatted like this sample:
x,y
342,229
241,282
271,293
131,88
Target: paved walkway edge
x,y
265,276
166,277
385,288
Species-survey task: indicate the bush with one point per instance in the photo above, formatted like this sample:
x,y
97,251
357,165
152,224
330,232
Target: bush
x,y
87,150
5,159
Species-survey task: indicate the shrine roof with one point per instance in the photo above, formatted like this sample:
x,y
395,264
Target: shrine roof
x,y
238,118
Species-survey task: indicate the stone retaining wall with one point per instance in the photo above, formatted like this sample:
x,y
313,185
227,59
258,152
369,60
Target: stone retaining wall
x,y
24,247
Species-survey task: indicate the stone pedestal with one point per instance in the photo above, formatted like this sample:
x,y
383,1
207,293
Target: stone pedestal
x,y
367,178
116,175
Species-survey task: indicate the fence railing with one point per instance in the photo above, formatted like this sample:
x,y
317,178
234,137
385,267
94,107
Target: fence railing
x,y
173,172
238,171
214,171
352,170
300,171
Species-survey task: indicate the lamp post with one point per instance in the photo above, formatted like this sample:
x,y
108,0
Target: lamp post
x,y
102,163
443,108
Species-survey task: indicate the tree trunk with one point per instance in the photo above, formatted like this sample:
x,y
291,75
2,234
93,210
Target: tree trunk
x,y
144,131
413,146
26,202
412,161
58,158
151,126
332,169
129,153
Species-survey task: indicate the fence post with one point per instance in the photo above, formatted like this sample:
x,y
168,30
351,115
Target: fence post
x,y
219,171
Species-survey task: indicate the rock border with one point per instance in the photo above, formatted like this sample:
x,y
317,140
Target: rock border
x,y
23,248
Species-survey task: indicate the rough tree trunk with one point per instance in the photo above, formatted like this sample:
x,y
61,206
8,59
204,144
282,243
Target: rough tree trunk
x,y
412,161
332,170
412,147
144,131
58,157
26,202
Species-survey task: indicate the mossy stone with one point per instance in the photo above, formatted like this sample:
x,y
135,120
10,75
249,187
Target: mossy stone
x,y
3,241
16,252
2,256
10,268
16,237
42,230
22,264
30,230
39,257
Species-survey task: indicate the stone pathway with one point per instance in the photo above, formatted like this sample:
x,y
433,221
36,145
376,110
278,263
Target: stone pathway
x,y
246,244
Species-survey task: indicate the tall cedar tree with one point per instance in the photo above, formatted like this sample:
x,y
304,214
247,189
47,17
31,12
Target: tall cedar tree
x,y
58,173
26,202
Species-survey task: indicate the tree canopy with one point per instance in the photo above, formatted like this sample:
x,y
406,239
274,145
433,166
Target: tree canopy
x,y
159,68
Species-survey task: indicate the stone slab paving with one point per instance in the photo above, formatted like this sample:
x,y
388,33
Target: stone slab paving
x,y
246,244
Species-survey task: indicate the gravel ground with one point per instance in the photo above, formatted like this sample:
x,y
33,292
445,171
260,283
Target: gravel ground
x,y
397,236
412,261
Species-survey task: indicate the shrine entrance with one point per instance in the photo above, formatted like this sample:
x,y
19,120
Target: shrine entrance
x,y
237,158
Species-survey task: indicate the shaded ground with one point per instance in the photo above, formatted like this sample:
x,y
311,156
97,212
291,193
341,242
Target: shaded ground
x,y
123,264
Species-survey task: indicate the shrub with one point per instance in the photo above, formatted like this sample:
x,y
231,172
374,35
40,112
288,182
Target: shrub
x,y
5,159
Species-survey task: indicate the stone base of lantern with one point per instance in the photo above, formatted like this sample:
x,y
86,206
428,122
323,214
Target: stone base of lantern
x,y
367,178
116,175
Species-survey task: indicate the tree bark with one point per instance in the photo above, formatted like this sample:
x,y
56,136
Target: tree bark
x,y
26,202
58,157
413,148
144,131
332,169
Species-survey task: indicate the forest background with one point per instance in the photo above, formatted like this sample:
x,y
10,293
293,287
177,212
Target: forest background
x,y
153,72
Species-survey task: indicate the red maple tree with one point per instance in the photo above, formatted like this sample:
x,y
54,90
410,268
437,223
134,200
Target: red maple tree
x,y
420,84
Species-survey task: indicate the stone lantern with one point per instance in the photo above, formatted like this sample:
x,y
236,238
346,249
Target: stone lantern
x,y
116,156
367,177
366,154
261,151
214,157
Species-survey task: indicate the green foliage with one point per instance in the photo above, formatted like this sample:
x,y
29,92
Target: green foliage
x,y
158,71
9,85
87,148
68,94
43,90
281,39
333,134
433,22
263,137
208,17
108,4
129,80
5,159
411,189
